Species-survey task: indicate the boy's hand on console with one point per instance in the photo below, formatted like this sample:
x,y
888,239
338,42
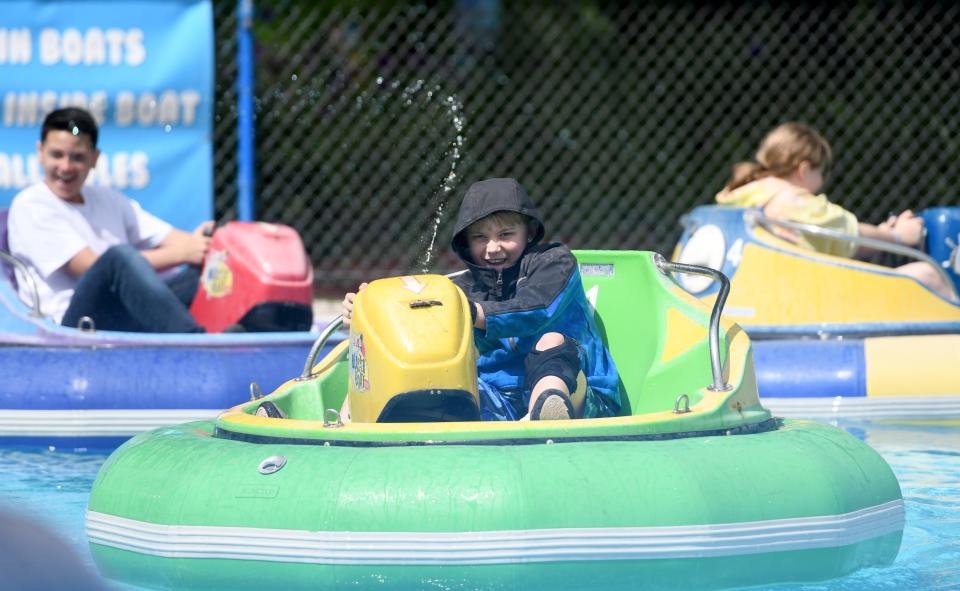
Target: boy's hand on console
x,y
347,304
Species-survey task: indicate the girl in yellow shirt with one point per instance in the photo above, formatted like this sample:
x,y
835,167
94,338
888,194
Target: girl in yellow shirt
x,y
783,181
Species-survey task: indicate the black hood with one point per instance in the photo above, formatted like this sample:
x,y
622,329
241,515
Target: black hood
x,y
489,196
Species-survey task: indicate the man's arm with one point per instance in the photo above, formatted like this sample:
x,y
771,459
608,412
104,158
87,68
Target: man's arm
x,y
180,247
80,262
176,248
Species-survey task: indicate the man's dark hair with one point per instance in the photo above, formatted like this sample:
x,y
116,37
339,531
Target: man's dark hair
x,y
71,119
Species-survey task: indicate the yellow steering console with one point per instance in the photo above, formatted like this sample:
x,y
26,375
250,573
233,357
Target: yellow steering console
x,y
412,356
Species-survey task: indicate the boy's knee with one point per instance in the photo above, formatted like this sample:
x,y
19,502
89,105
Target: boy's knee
x,y
549,341
560,357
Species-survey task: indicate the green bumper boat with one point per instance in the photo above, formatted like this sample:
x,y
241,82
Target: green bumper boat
x,y
695,486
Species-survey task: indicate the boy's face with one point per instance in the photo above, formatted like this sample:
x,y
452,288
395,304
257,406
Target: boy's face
x,y
496,245
66,160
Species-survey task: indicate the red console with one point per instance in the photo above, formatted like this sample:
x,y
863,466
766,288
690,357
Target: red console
x,y
257,275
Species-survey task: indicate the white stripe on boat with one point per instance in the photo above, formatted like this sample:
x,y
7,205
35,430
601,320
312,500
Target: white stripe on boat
x,y
94,423
494,547
129,422
866,407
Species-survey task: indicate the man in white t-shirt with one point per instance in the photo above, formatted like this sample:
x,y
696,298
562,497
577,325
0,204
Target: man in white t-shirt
x,y
94,251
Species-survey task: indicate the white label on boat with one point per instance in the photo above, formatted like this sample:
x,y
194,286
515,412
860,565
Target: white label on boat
x,y
742,312
595,270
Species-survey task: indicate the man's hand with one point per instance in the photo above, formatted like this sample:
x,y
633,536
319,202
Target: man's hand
x,y
347,304
180,247
193,247
205,229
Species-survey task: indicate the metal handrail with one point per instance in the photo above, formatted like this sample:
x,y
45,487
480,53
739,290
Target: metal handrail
x,y
25,271
757,217
719,385
318,344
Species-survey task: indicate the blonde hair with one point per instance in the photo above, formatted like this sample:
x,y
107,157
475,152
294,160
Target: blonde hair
x,y
500,218
781,152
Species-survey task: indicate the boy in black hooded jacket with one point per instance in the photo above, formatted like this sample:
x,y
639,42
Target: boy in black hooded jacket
x,y
541,355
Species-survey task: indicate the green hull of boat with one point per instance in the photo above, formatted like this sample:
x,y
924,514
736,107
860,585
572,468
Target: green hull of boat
x,y
720,496
183,476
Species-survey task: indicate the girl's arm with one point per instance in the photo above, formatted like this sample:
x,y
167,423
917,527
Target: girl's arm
x,y
906,229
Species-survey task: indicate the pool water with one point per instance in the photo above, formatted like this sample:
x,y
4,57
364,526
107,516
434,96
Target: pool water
x,y
53,487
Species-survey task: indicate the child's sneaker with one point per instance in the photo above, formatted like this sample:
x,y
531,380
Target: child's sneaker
x,y
552,405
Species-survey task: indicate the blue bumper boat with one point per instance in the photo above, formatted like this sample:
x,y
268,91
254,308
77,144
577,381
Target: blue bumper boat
x,y
68,387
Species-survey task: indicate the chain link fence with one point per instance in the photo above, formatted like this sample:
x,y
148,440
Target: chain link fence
x,y
618,117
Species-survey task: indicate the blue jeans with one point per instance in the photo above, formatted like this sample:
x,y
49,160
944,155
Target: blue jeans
x,y
121,291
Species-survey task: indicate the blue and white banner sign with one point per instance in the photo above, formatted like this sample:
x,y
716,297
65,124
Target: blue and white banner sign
x,y
143,68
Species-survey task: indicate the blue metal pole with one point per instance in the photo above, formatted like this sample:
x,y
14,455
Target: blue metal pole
x,y
245,117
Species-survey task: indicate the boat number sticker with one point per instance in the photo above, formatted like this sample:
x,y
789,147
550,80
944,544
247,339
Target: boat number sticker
x,y
217,278
358,364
